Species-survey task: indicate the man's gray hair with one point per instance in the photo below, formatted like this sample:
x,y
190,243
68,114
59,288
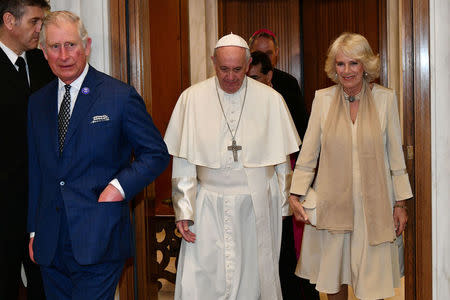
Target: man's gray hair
x,y
56,17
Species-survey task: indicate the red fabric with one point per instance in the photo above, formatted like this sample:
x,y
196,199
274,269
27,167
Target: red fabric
x,y
265,31
298,235
297,226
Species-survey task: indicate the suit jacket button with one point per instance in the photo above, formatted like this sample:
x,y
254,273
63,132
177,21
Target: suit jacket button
x,y
57,209
61,183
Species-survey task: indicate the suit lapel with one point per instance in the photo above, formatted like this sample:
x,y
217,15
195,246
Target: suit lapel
x,y
13,76
84,102
49,112
35,71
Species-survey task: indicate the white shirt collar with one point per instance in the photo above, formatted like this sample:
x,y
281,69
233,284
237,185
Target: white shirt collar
x,y
11,54
77,82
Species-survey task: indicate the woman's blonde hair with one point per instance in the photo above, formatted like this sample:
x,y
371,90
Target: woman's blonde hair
x,y
356,47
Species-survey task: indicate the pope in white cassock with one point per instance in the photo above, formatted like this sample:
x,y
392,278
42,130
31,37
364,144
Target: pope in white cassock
x,y
230,137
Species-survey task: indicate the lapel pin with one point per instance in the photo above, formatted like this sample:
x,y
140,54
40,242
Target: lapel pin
x,y
85,90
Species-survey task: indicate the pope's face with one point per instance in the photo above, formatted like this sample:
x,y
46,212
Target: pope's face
x,y
231,66
65,52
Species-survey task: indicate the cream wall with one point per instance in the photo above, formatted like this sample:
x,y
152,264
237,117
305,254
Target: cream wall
x,y
440,144
202,36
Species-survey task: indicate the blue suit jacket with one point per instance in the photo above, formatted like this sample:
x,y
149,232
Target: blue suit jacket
x,y
109,123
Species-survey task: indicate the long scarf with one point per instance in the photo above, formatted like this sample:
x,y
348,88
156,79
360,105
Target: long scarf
x,y
334,177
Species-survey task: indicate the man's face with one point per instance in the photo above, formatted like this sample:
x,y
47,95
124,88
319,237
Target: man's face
x,y
26,30
268,47
230,65
255,73
65,51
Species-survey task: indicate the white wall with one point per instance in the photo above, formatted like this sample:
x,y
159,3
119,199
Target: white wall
x,y
440,148
95,16
202,38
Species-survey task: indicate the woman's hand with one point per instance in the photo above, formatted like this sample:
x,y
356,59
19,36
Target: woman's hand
x,y
400,217
297,209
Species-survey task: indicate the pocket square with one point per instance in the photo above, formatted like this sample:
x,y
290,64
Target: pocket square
x,y
102,118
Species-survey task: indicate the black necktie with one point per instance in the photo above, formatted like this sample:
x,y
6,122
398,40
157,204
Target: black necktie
x,y
64,118
20,62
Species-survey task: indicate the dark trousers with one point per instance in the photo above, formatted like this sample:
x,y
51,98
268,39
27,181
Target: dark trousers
x,y
14,252
292,287
65,278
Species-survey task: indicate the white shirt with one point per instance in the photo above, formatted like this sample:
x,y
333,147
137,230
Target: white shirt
x,y
75,87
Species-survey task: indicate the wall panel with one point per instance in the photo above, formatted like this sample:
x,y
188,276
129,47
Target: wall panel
x,y
322,22
280,16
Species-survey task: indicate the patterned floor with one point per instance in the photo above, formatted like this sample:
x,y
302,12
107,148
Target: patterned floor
x,y
167,290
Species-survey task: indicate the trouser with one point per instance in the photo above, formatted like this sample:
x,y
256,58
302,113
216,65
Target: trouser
x,y
65,278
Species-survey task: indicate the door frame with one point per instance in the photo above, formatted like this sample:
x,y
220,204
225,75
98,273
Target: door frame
x,y
128,64
415,35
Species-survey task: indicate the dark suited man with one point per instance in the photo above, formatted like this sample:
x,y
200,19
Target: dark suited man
x,y
284,83
260,68
292,287
82,130
20,24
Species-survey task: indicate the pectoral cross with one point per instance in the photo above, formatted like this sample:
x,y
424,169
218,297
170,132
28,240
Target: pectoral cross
x,y
233,147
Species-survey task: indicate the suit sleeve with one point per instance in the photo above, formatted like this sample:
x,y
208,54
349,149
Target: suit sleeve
x,y
150,151
299,107
34,176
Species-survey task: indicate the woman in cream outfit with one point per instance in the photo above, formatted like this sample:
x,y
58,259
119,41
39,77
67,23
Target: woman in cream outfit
x,y
361,184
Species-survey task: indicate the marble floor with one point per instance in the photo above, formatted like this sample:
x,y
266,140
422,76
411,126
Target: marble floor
x,y
167,289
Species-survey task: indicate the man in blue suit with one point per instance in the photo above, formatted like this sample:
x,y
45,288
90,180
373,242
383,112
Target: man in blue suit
x,y
82,130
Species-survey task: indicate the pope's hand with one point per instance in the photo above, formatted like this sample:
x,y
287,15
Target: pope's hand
x,y
183,228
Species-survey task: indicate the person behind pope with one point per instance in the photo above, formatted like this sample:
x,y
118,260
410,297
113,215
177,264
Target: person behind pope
x,y
261,68
355,209
230,137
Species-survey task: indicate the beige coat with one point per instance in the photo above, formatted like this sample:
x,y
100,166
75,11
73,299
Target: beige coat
x,y
386,104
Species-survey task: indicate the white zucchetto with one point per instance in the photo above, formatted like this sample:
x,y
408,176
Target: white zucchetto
x,y
231,40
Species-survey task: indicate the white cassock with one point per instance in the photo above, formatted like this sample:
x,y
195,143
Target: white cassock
x,y
236,207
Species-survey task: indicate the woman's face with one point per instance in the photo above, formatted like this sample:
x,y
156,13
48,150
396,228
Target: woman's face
x,y
350,73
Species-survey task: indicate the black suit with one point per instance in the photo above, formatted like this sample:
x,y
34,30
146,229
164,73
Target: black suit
x,y
13,173
288,87
292,286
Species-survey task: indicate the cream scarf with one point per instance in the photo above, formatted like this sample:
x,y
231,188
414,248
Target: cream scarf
x,y
334,177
